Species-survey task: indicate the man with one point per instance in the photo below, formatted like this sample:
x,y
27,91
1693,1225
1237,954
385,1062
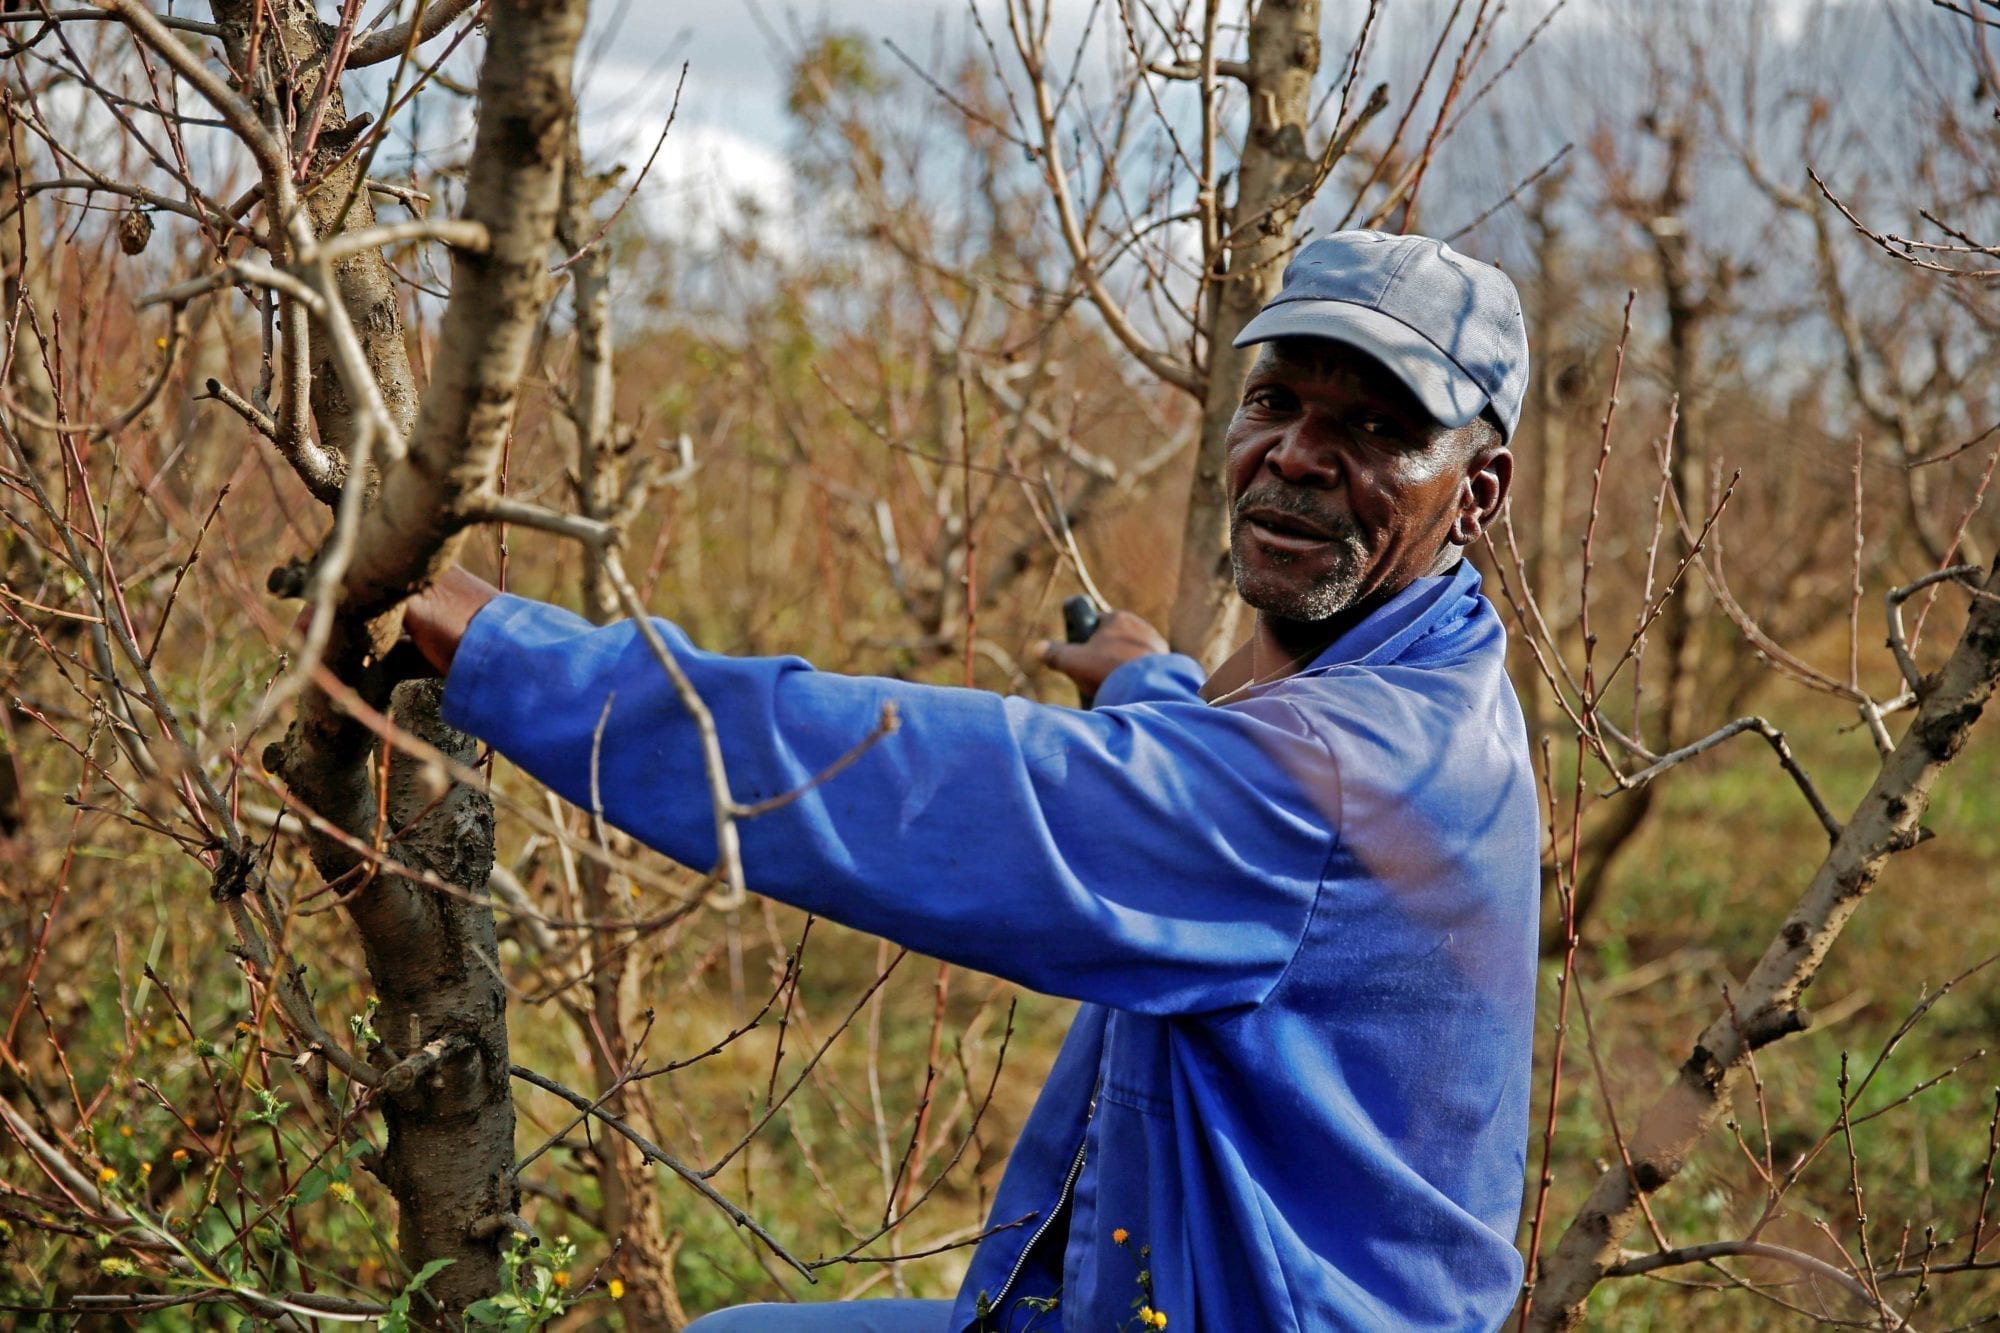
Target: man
x,y
1298,900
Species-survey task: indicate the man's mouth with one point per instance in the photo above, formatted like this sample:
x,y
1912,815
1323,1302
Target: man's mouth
x,y
1277,527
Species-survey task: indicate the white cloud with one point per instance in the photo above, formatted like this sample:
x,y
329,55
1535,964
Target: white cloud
x,y
708,178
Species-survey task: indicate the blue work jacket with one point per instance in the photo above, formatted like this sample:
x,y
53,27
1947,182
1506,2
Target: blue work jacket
x,y
1303,926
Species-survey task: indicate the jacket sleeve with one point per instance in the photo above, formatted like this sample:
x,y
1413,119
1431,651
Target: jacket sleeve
x,y
1155,678
1158,857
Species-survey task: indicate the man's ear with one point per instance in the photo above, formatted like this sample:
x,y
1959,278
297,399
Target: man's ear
x,y
1489,476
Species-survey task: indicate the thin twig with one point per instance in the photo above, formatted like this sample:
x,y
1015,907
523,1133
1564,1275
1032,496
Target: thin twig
x,y
654,1153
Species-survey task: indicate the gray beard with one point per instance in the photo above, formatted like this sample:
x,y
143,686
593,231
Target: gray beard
x,y
1324,596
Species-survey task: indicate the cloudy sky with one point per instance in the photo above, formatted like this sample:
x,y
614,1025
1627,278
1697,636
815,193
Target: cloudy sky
x,y
729,137
731,129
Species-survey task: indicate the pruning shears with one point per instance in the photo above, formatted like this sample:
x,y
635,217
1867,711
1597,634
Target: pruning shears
x,y
1080,620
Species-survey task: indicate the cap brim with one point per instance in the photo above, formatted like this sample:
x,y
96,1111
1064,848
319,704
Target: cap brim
x,y
1445,391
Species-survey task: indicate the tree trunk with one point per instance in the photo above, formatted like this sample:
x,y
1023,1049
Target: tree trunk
x,y
1273,182
450,1155
27,378
1678,635
446,1092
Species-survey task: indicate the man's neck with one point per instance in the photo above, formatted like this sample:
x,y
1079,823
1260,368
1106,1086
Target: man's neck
x,y
1278,648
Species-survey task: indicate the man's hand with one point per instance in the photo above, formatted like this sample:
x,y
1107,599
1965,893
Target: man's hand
x,y
436,618
1120,637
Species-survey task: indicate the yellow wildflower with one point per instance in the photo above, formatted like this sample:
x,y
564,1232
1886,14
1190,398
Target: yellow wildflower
x,y
180,1154
1159,1319
105,1175
616,1288
561,1280
124,1131
1119,1235
341,1191
145,1169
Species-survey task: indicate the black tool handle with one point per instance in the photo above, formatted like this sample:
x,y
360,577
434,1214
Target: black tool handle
x,y
1080,621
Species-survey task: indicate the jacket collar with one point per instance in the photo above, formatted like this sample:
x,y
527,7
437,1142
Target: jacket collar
x,y
1427,604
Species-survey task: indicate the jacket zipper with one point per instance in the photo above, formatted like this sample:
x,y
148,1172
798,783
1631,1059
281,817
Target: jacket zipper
x,y
1062,1202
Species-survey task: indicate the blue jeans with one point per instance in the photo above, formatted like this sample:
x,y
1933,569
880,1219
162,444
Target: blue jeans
x,y
884,1316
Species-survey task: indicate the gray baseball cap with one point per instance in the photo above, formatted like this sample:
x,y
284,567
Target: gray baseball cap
x,y
1448,327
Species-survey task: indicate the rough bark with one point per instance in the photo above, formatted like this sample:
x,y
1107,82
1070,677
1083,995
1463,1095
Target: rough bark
x,y
1768,1007
335,204
450,1154
20,274
597,465
1273,180
27,378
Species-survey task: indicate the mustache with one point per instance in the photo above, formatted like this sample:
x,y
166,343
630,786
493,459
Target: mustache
x,y
1296,502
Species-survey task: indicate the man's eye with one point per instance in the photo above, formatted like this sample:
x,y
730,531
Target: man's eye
x,y
1374,423
1270,398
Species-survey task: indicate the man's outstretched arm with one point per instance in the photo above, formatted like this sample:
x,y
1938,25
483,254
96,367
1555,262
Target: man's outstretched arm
x,y
1161,857
438,617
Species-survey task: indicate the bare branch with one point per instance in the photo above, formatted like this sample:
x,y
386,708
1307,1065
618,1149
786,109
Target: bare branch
x,y
1756,1249
1738,727
173,21
1108,306
243,122
1894,600
655,1153
1223,69
513,191
405,37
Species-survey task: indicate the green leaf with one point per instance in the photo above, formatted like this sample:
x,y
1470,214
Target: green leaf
x,y
311,1188
497,1312
427,1272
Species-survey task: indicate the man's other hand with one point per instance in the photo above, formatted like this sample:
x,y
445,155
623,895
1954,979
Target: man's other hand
x,y
1120,637
436,618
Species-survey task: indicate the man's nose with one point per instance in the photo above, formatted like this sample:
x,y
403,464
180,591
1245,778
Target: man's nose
x,y
1303,456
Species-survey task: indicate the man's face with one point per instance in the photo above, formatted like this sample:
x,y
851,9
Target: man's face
x,y
1343,488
